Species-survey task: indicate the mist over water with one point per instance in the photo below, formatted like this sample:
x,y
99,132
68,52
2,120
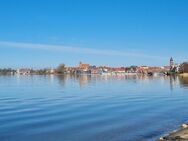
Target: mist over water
x,y
91,107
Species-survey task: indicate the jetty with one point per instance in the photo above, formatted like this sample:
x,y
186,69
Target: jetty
x,y
179,135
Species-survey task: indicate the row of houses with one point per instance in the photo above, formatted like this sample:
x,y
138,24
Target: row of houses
x,y
84,68
89,69
27,71
173,67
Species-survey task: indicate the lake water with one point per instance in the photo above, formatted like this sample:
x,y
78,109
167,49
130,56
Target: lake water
x,y
91,108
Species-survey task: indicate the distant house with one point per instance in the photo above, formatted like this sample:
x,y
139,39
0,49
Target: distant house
x,y
105,69
23,71
143,69
48,71
96,71
52,71
71,70
132,69
166,68
155,69
92,67
118,70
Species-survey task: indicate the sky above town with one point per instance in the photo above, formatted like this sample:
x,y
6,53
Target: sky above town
x,y
45,33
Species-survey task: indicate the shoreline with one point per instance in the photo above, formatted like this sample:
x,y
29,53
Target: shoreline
x,y
180,134
184,74
90,74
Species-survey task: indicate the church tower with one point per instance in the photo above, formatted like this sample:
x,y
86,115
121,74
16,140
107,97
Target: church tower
x,y
171,62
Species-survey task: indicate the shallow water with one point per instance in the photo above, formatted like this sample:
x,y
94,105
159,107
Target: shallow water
x,y
91,108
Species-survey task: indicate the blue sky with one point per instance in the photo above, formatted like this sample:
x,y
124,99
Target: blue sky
x,y
45,33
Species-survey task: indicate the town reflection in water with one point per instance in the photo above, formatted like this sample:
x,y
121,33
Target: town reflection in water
x,y
85,80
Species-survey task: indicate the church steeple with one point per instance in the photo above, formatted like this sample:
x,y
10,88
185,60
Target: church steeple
x,y
171,62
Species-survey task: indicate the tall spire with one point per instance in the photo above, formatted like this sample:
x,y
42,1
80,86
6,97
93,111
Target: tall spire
x,y
171,59
171,62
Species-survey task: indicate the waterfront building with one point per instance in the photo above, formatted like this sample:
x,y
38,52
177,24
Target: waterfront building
x,y
118,70
84,67
166,68
23,71
96,71
143,69
71,70
133,69
47,71
52,71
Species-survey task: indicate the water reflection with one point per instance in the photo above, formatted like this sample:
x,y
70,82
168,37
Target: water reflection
x,y
91,107
176,80
173,81
62,79
183,81
85,80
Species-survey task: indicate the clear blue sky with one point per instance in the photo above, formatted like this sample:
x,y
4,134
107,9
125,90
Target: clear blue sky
x,y
42,33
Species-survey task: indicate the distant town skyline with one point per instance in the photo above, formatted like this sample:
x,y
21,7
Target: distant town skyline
x,y
38,34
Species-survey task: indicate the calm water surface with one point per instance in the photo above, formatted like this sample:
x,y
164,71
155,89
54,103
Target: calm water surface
x,y
91,108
